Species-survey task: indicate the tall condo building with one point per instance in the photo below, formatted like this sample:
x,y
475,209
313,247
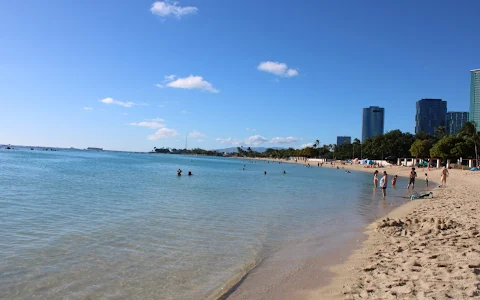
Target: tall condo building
x,y
342,140
475,97
373,119
455,121
431,113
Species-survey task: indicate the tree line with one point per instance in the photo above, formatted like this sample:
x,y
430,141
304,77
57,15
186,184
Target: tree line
x,y
391,145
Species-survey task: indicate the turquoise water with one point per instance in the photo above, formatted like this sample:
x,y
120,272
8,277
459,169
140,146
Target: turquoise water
x,y
91,225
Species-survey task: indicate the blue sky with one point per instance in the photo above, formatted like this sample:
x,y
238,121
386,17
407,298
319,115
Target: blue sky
x,y
131,75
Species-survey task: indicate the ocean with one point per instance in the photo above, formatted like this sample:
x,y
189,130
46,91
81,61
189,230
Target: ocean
x,y
110,225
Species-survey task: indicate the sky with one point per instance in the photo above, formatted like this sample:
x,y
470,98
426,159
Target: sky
x,y
133,75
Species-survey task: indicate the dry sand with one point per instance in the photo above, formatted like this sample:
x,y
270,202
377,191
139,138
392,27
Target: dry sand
x,y
427,249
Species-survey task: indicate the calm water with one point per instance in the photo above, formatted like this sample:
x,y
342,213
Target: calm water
x,y
99,225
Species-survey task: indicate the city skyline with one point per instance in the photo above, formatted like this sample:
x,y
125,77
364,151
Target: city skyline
x,y
144,74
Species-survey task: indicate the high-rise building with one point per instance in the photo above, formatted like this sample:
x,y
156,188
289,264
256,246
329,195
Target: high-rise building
x,y
431,113
455,121
373,119
342,140
475,97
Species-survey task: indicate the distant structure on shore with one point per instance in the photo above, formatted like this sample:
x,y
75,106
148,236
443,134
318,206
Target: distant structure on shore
x,y
431,114
94,148
373,121
342,140
455,121
475,97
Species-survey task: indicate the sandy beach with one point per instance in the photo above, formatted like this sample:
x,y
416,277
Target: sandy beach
x,y
425,249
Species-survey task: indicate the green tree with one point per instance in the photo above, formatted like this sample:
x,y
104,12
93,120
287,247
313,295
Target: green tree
x,y
445,148
440,132
421,148
469,132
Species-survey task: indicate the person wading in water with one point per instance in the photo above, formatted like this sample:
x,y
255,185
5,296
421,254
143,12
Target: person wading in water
x,y
411,181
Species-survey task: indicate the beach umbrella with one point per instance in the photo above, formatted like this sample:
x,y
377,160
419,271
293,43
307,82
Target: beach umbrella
x,y
474,169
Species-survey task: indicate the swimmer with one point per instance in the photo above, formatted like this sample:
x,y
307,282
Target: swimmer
x,y
284,172
190,173
265,173
179,172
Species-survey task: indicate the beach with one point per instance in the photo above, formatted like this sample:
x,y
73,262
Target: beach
x,y
426,249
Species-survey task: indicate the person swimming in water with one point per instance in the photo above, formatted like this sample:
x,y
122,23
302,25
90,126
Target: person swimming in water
x,y
265,173
284,172
190,173
179,172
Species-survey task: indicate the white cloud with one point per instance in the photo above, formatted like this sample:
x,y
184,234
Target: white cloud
x,y
87,108
112,101
189,83
163,133
250,129
228,141
158,120
169,8
279,69
151,125
255,140
306,145
196,134
160,105
284,140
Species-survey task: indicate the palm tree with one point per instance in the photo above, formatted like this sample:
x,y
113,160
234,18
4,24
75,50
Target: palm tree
x,y
469,131
316,144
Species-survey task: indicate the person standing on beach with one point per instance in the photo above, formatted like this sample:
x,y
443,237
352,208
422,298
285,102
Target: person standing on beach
x,y
444,176
375,178
411,181
426,179
383,183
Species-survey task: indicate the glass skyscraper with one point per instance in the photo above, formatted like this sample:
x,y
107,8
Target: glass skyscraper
x,y
373,119
431,113
342,140
455,121
475,97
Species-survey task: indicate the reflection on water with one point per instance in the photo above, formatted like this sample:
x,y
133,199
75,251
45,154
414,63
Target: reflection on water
x,y
99,224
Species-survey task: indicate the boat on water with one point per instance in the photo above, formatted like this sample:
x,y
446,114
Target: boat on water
x,y
94,148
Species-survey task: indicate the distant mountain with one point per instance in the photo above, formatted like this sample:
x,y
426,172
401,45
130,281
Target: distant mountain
x,y
257,149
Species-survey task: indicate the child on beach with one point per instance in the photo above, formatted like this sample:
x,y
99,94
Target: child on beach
x,y
394,180
426,179
375,178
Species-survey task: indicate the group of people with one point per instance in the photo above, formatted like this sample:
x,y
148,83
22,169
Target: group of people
x,y
179,173
411,180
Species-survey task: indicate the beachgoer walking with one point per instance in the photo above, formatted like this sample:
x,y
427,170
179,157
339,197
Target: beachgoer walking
x,y
444,176
375,179
411,180
426,179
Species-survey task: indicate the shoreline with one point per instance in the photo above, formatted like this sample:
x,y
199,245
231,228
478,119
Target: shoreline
x,y
310,279
430,249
